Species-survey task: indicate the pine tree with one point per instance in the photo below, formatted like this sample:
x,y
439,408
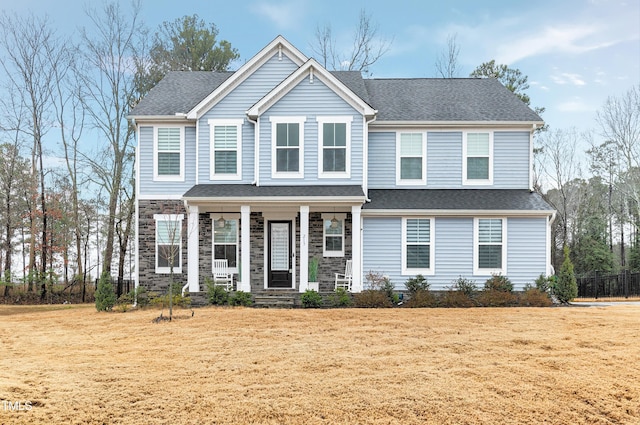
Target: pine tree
x,y
105,296
567,286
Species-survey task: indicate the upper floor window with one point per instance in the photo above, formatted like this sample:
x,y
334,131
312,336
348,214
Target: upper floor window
x,y
333,235
226,149
477,164
168,243
489,247
417,246
411,158
287,135
169,153
334,146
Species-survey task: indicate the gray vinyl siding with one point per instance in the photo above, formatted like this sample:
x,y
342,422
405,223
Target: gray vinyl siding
x,y
454,251
382,247
527,247
311,100
511,160
382,163
444,160
453,243
164,188
234,106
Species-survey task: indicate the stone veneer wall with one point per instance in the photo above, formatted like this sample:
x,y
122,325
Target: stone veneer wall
x,y
327,266
153,282
148,277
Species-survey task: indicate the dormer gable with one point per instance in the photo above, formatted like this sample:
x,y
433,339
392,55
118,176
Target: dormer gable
x,y
279,46
314,71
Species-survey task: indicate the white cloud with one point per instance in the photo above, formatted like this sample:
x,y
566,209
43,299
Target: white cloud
x,y
575,105
568,78
284,15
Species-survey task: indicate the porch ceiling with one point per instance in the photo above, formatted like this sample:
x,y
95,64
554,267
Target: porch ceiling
x,y
250,194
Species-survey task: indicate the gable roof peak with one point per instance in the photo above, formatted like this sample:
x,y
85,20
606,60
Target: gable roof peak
x,y
279,44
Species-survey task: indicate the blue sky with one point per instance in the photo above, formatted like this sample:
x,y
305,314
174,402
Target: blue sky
x,y
576,53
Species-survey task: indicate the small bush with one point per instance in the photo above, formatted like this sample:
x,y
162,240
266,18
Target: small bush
x,y
496,298
341,298
499,283
372,298
466,286
105,296
311,299
422,298
457,298
545,283
241,298
216,295
415,284
532,297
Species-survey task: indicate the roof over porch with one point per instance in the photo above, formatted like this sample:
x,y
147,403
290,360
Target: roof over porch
x,y
252,194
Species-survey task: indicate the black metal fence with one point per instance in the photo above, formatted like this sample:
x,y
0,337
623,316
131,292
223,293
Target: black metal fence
x,y
126,286
600,285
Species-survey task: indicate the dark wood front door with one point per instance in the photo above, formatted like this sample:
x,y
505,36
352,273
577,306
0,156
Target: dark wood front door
x,y
280,254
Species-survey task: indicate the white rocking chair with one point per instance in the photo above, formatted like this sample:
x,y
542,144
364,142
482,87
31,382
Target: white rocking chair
x,y
345,280
221,274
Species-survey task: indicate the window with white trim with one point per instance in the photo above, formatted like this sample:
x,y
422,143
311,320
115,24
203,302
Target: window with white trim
x,y
411,158
169,153
226,149
477,164
334,146
417,246
490,247
225,239
168,242
333,235
287,135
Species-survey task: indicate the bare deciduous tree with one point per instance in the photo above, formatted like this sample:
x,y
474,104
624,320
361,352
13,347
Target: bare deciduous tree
x,y
109,91
447,61
366,50
32,51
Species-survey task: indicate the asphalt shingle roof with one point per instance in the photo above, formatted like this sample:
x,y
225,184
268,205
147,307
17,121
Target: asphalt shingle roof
x,y
456,199
179,92
446,99
420,99
252,191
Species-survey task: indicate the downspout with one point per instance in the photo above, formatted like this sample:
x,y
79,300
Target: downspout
x,y
531,162
256,150
365,157
136,282
551,271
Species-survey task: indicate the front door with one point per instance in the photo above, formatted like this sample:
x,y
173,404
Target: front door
x,y
280,254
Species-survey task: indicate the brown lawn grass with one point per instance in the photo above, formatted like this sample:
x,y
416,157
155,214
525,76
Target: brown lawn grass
x,y
566,365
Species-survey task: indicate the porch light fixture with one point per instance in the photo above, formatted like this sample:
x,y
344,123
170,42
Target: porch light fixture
x,y
334,220
221,222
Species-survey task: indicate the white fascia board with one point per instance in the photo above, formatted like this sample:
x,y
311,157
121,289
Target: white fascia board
x,y
159,197
447,125
456,213
277,200
158,119
320,73
279,44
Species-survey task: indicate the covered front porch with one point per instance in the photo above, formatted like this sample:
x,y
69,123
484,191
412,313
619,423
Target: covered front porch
x,y
269,235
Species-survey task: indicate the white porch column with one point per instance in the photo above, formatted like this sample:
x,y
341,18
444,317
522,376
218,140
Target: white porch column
x,y
356,247
193,254
245,247
304,248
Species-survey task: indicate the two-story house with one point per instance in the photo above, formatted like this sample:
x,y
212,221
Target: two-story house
x,y
282,161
